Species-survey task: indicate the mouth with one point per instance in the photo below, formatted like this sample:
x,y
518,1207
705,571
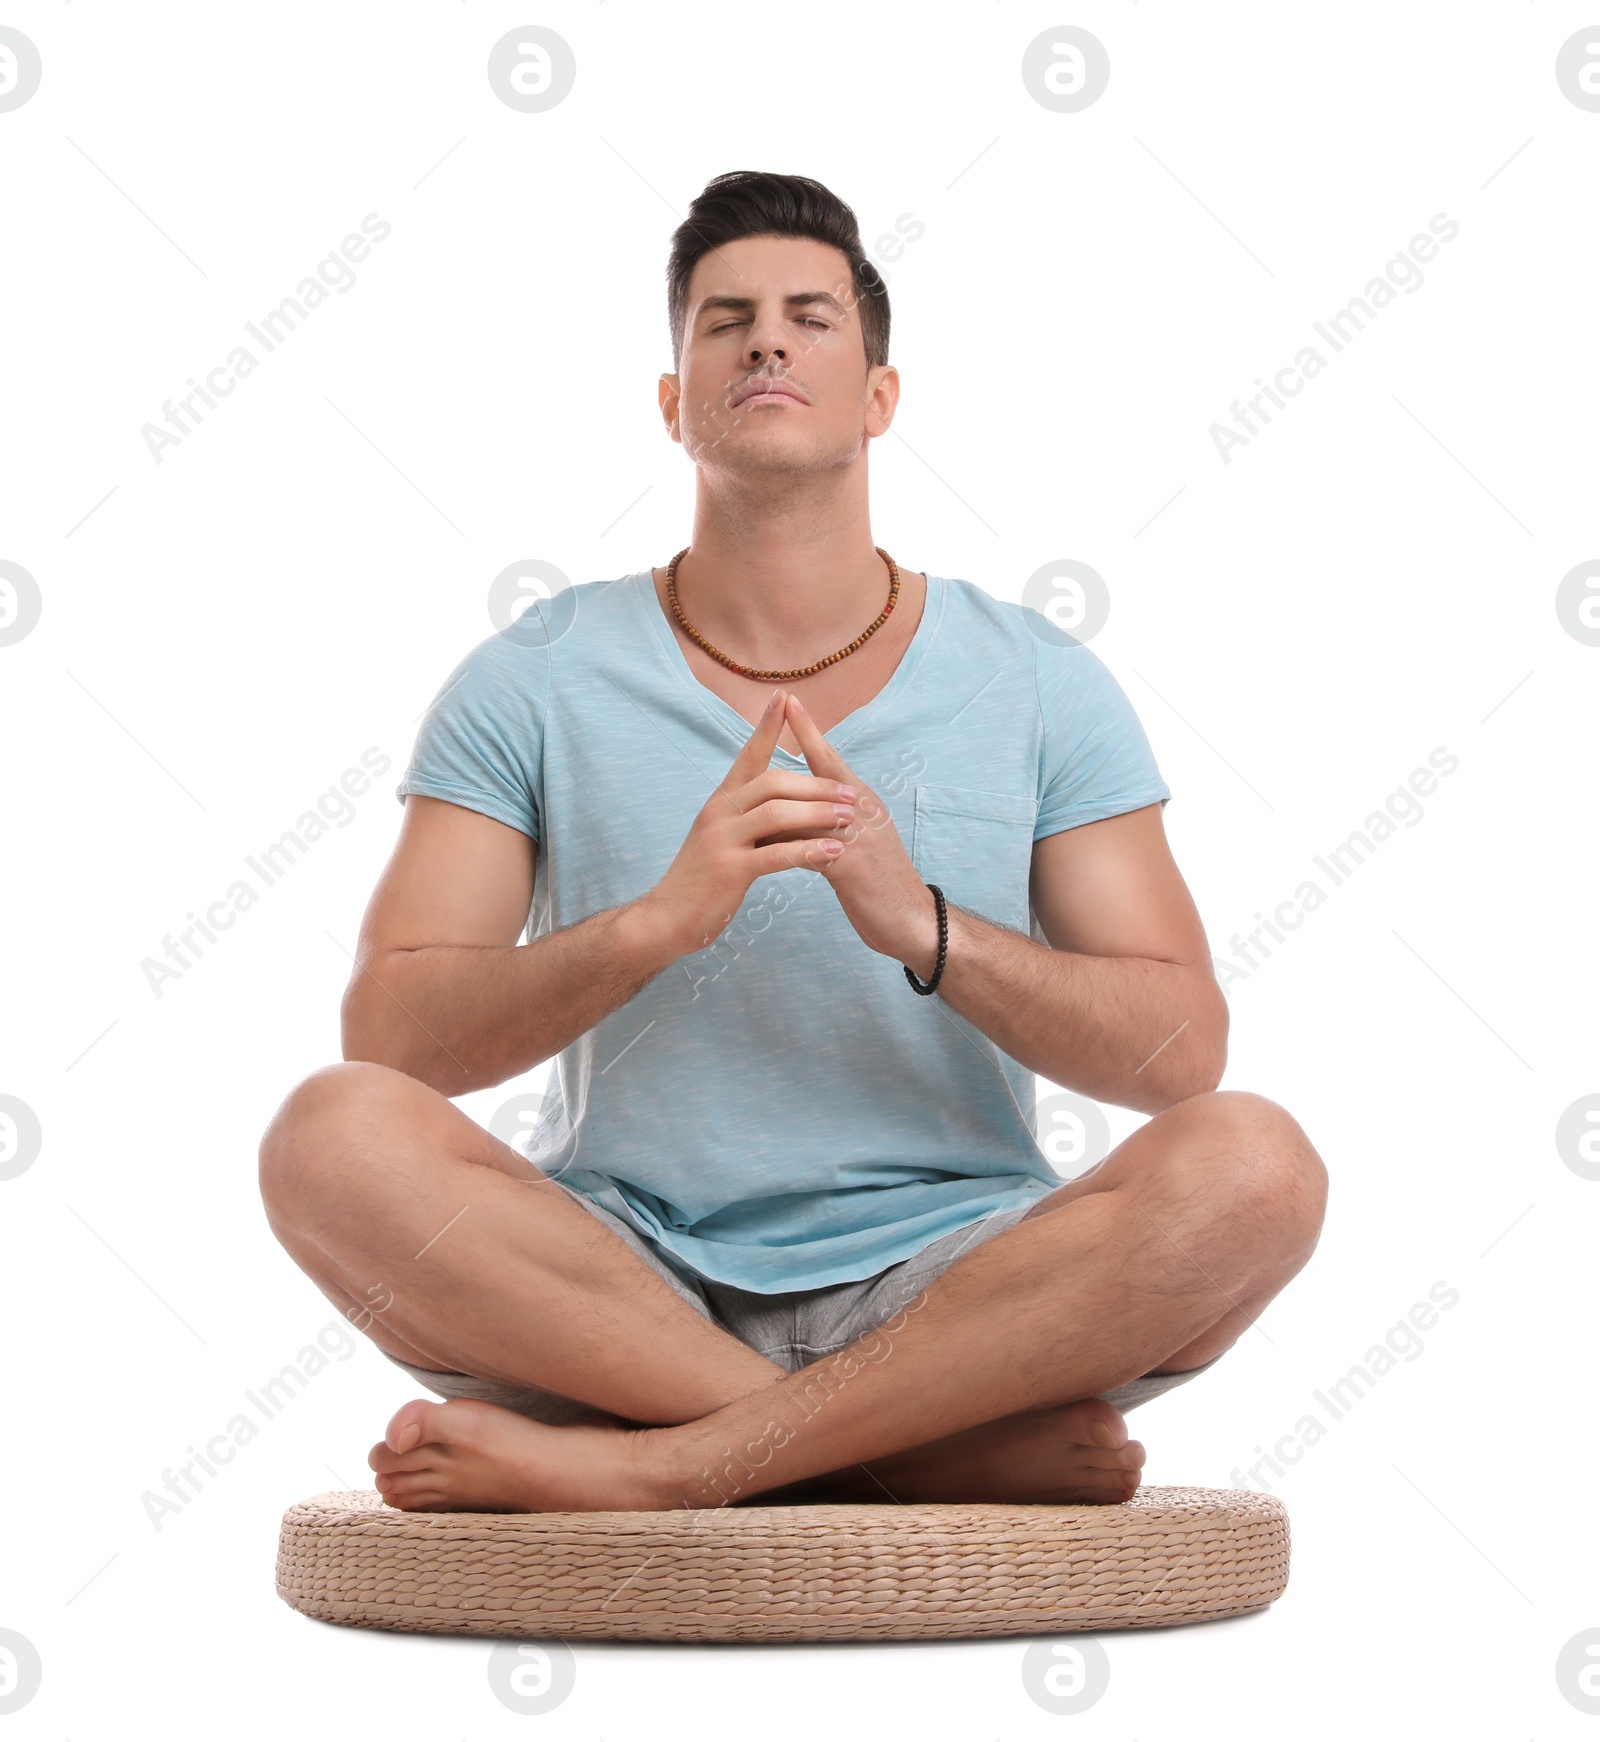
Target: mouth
x,y
766,392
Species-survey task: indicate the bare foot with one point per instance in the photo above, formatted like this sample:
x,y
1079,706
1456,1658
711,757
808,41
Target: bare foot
x,y
1076,1454
466,1456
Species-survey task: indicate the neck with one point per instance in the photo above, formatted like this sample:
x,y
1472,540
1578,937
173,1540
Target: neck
x,y
778,564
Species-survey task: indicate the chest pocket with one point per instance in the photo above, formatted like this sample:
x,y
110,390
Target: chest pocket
x,y
978,847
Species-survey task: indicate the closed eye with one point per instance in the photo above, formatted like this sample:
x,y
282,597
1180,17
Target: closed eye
x,y
806,320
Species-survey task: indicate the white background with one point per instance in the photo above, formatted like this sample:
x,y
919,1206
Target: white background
x,y
1372,577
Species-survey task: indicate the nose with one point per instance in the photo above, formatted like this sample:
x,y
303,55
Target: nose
x,y
767,337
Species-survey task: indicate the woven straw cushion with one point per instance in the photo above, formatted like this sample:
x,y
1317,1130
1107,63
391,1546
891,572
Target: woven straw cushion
x,y
787,1572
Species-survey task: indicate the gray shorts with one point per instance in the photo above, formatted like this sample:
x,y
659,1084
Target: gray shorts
x,y
792,1329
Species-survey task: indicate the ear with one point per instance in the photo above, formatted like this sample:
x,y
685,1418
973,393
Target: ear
x,y
670,393
882,396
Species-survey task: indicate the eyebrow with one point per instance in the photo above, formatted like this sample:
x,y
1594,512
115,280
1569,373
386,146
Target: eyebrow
x,y
798,299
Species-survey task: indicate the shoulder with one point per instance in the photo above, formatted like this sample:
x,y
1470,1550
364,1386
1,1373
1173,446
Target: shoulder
x,y
1030,637
967,604
974,626
516,659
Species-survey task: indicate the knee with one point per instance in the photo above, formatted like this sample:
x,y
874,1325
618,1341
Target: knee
x,y
1255,1154
323,1132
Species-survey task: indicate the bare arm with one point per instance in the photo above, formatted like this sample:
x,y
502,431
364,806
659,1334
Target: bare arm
x,y
443,991
1123,1006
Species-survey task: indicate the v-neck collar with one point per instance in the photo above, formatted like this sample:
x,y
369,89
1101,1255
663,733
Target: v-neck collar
x,y
728,717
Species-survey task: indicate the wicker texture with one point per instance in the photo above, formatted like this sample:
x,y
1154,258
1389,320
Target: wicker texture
x,y
787,1572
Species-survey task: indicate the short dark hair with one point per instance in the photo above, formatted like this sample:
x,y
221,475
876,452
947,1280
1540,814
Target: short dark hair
x,y
749,202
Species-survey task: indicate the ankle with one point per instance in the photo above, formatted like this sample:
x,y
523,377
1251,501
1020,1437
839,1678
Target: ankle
x,y
662,1479
682,1468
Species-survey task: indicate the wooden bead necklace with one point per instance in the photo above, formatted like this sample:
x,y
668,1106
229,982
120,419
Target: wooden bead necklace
x,y
779,676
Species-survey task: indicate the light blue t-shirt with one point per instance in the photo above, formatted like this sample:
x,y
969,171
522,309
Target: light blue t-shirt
x,y
780,1110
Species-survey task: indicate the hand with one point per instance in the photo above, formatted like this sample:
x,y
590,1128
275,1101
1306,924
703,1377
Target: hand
x,y
759,820
878,887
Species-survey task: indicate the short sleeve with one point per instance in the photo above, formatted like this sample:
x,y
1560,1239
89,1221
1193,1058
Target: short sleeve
x,y
1095,760
481,743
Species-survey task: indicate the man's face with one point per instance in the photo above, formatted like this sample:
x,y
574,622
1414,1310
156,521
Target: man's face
x,y
775,312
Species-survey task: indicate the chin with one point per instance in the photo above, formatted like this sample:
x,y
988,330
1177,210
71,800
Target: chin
x,y
774,453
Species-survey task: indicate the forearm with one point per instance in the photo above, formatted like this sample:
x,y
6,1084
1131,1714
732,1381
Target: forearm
x,y
464,1018
1128,1030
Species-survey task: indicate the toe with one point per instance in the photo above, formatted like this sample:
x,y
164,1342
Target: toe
x,y
1098,1423
417,1500
409,1426
1128,1457
405,1489
389,1463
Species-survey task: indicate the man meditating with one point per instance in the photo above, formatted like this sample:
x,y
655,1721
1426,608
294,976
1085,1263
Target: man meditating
x,y
821,861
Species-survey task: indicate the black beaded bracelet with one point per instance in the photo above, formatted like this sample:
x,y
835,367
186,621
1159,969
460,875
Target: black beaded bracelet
x,y
944,945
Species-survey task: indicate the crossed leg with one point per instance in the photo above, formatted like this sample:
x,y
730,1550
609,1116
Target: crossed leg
x,y
451,1252
386,1193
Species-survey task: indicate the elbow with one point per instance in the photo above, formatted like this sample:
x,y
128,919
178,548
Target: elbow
x,y
1216,1033
361,1036
374,1029
1208,1071
1198,1069
1210,1059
